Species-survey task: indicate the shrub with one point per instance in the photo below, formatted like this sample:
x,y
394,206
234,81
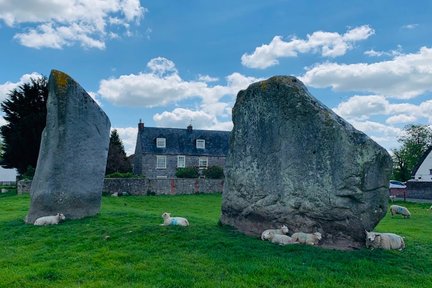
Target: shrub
x,y
123,175
214,172
188,172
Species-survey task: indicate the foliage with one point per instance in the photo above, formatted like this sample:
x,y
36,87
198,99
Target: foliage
x,y
123,175
187,172
25,115
124,246
415,141
29,173
117,160
214,172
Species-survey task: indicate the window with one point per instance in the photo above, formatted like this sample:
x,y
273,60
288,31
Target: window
x,y
160,162
430,171
181,161
200,144
160,142
203,162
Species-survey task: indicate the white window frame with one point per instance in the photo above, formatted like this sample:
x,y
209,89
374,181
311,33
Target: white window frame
x,y
161,162
160,142
200,144
200,162
181,163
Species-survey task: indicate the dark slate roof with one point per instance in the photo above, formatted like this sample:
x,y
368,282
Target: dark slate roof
x,y
422,159
183,142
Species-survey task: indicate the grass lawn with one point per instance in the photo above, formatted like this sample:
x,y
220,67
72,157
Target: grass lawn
x,y
124,246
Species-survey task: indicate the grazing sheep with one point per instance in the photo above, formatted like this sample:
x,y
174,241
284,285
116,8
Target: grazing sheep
x,y
385,241
307,238
49,220
168,220
281,231
396,209
280,239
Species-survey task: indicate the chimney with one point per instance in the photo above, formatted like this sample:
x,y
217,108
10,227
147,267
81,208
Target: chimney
x,y
189,128
140,125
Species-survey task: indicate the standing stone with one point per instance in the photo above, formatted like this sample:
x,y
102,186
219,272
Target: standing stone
x,y
72,158
294,161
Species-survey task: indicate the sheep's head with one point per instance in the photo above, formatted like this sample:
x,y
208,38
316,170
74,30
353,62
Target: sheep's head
x,y
318,235
166,215
61,216
284,229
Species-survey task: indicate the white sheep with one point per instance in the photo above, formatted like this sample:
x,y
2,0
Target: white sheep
x,y
266,234
280,239
392,198
385,241
49,220
396,209
307,238
168,220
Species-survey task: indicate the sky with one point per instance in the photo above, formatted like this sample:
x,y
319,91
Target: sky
x,y
174,63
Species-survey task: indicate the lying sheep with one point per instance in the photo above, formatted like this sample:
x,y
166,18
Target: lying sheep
x,y
168,220
385,241
49,220
307,238
280,239
281,231
396,209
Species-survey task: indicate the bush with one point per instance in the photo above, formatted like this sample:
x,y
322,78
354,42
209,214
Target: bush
x,y
123,175
188,172
214,172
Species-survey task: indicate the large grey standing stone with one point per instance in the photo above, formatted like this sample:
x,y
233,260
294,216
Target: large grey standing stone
x,y
72,158
294,161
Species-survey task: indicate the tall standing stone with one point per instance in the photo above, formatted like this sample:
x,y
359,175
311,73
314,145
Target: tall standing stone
x,y
72,158
294,161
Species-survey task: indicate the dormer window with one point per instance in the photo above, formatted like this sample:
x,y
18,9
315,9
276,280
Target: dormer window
x,y
160,142
200,144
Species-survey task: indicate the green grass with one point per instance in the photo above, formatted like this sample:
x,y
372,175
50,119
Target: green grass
x,y
124,246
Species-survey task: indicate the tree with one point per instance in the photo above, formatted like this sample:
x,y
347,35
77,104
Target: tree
x,y
25,114
415,141
117,160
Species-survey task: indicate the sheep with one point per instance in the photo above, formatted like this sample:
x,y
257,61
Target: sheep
x,y
168,220
49,220
392,198
385,241
266,234
396,209
280,239
307,238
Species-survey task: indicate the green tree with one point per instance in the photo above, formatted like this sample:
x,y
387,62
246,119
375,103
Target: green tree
x,y
117,160
25,114
415,141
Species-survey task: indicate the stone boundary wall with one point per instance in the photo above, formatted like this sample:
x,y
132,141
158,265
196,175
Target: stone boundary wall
x,y
419,190
132,186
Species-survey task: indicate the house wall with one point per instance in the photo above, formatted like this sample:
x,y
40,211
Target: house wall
x,y
149,165
424,172
151,186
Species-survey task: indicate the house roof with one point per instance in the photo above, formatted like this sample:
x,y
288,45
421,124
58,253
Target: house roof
x,y
183,141
422,159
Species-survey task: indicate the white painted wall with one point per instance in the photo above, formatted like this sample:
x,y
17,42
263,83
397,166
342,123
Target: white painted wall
x,y
424,173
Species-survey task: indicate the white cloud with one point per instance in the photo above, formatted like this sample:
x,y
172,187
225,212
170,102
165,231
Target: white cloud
x,y
410,26
385,135
56,24
207,78
405,76
163,85
7,87
401,118
128,137
372,53
328,44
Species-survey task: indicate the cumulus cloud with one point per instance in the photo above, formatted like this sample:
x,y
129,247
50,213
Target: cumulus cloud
x,y
56,24
328,44
395,52
405,76
163,85
7,87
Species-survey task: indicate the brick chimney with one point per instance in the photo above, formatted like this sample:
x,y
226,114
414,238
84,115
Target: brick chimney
x,y
140,125
189,128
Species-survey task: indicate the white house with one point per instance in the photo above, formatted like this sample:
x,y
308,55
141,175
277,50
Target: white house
x,y
423,171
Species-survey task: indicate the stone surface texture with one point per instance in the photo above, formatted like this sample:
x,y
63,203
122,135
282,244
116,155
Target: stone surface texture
x,y
294,161
74,146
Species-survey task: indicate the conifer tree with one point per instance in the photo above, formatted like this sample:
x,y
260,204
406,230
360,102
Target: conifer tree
x,y
117,160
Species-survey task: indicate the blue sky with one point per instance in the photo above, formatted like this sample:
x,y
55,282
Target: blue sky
x,y
171,63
